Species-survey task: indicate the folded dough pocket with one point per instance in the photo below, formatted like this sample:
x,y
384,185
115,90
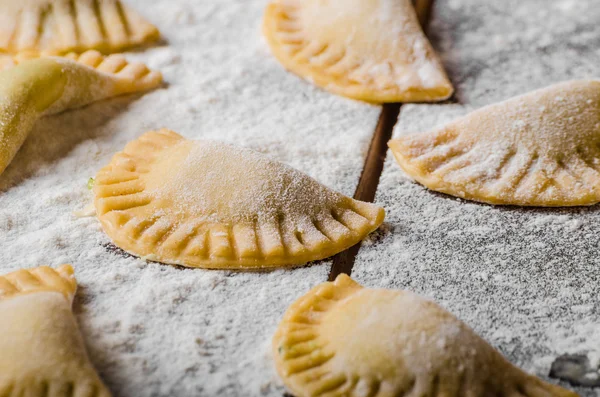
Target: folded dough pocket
x,y
32,88
371,50
207,204
341,339
41,349
61,26
537,149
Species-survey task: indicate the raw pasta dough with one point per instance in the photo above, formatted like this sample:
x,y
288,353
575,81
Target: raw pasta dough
x,y
341,339
42,352
206,204
61,26
538,149
32,88
372,50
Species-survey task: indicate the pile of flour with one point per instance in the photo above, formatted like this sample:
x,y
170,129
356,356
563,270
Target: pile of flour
x,y
156,330
526,279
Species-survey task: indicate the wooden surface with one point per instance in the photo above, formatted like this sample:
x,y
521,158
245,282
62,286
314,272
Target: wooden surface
x,y
525,279
156,330
373,167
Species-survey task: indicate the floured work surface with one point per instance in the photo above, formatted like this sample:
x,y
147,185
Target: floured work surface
x,y
524,279
157,330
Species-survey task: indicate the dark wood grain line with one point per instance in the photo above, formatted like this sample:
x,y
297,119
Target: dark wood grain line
x,y
369,180
423,8
373,166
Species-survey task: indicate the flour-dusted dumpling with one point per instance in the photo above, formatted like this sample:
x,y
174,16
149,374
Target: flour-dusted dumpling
x,y
32,88
42,353
207,204
61,26
372,50
538,149
341,339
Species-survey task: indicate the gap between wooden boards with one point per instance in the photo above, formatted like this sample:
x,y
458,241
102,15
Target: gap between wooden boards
x,y
373,166
369,180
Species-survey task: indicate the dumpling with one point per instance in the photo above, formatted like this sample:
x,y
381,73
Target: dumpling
x,y
207,204
538,149
61,26
371,50
341,339
43,353
32,88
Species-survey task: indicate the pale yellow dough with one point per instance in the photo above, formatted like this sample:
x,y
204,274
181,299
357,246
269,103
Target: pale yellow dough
x,y
42,351
538,149
207,204
371,50
32,88
61,26
341,339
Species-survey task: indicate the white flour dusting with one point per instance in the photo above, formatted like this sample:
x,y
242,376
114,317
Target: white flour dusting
x,y
155,330
512,151
236,184
524,279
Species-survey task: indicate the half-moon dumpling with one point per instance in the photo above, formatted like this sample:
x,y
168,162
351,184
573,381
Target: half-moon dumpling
x,y
538,149
372,50
207,204
341,339
61,26
32,88
42,351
